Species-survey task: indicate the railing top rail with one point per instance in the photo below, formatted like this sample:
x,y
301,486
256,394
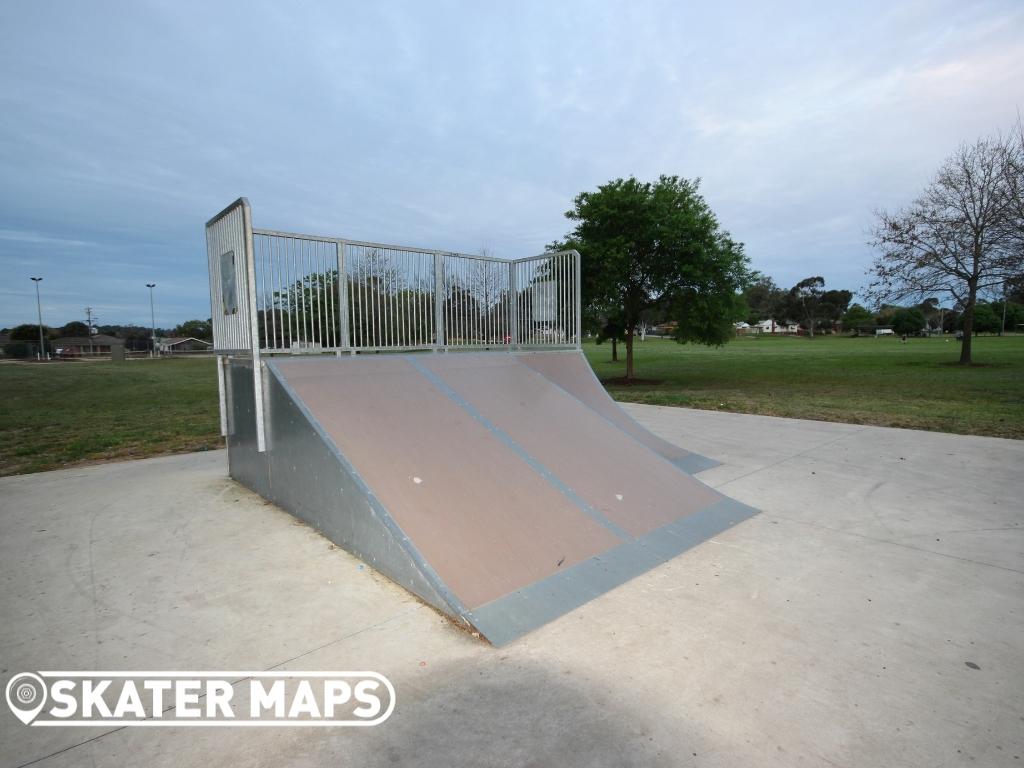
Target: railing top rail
x,y
391,246
546,254
385,246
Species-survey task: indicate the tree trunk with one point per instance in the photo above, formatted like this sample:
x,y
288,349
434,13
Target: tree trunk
x,y
615,350
965,347
629,353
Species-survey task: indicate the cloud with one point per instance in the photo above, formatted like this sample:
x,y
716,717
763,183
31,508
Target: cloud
x,y
457,126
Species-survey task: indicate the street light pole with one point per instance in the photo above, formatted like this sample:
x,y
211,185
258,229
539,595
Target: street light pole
x,y
39,313
152,321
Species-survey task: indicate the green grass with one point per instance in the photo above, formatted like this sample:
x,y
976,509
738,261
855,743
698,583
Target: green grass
x,y
860,380
57,414
60,414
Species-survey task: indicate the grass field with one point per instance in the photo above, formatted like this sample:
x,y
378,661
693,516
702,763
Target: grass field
x,y
881,381
65,413
60,414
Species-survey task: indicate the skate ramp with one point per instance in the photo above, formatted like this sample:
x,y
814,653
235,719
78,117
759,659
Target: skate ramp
x,y
571,371
473,480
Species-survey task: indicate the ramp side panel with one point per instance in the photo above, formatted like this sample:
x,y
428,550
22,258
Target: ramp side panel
x,y
245,463
629,484
572,372
313,483
479,514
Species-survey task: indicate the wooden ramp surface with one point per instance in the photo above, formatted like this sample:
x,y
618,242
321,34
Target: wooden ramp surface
x,y
520,498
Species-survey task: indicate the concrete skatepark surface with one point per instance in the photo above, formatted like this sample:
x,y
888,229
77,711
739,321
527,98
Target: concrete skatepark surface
x,y
833,629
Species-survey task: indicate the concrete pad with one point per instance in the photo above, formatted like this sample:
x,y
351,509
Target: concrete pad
x,y
833,629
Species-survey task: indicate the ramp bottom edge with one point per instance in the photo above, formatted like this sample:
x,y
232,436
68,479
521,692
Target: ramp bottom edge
x,y
507,618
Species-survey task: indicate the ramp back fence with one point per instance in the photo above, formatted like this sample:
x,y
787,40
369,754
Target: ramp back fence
x,y
280,292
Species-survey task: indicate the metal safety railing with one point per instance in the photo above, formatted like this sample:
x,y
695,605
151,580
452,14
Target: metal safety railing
x,y
280,292
317,294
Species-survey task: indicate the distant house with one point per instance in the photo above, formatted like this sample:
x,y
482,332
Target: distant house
x,y
770,326
177,344
78,346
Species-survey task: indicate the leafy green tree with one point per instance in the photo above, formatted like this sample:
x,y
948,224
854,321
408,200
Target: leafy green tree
x,y
908,320
857,317
30,332
813,306
1014,288
764,299
985,318
1014,315
613,330
75,328
19,349
197,329
803,302
834,304
658,246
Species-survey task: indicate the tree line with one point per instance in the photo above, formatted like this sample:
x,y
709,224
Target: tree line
x,y
24,338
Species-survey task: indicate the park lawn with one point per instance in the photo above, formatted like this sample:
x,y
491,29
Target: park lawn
x,y
60,414
882,381
56,414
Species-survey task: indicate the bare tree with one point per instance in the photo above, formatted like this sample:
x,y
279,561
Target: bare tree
x,y
959,237
487,281
1013,171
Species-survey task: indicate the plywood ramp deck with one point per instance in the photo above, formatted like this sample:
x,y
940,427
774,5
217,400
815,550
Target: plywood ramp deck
x,y
513,497
572,372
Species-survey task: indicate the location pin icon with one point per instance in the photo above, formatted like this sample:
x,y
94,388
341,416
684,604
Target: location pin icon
x,y
26,695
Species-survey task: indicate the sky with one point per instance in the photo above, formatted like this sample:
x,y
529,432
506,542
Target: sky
x,y
466,126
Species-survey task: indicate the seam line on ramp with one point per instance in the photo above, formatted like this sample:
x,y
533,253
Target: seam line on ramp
x,y
521,452
691,464
428,572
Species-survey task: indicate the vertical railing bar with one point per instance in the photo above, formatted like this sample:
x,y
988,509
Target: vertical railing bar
x,y
578,303
321,312
308,259
371,313
343,325
325,296
288,307
328,298
358,275
375,302
388,322
367,285
269,323
334,324
564,309
295,255
356,298
275,263
284,251
438,327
